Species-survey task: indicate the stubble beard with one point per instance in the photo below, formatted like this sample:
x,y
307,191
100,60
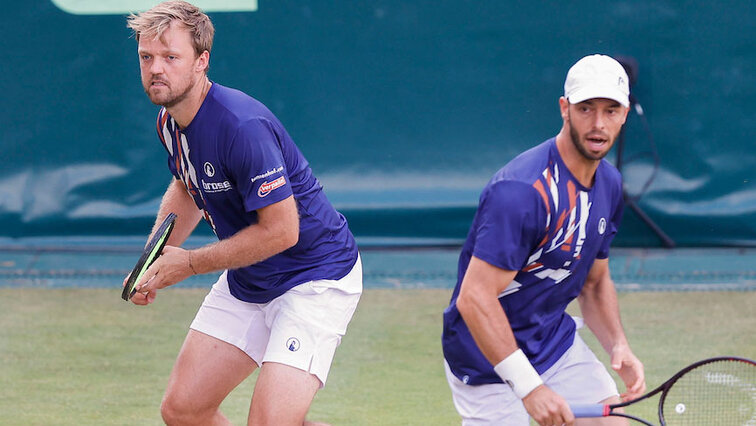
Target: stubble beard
x,y
169,99
575,137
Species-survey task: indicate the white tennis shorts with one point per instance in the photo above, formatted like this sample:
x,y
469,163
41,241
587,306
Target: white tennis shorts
x,y
578,376
300,328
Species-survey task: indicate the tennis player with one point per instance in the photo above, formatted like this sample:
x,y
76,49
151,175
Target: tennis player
x,y
540,239
291,276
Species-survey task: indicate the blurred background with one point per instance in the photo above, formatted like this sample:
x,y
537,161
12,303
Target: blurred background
x,y
404,110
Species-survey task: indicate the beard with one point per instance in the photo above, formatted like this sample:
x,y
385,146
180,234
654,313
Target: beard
x,y
170,97
581,148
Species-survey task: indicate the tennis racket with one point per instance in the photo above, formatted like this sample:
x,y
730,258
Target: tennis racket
x,y
149,255
716,391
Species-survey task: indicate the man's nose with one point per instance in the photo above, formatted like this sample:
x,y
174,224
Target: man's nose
x,y
599,120
156,67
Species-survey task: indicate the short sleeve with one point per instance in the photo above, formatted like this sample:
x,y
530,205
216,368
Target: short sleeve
x,y
254,160
511,221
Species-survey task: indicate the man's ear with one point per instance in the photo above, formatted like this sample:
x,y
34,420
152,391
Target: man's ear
x,y
204,61
564,107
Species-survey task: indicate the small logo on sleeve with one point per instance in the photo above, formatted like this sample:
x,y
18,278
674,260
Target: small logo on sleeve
x,y
267,187
602,226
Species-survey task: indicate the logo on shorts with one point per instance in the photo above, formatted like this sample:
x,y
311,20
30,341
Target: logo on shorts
x,y
292,344
602,226
209,169
266,187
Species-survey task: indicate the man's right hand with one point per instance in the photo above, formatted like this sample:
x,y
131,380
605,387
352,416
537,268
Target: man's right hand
x,y
547,408
139,298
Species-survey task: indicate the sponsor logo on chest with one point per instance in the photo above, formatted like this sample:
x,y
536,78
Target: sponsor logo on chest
x,y
209,169
210,187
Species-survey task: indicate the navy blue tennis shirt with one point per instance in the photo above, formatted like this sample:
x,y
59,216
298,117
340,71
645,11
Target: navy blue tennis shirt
x,y
236,157
535,218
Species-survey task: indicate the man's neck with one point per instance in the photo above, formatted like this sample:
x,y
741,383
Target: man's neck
x,y
185,111
583,169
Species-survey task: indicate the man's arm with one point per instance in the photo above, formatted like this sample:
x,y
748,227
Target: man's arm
x,y
177,200
600,309
276,230
478,303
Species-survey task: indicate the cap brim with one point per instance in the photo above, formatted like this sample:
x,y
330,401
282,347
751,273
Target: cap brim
x,y
599,92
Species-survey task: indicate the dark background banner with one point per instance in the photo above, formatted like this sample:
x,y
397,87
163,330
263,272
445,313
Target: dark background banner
x,y
404,109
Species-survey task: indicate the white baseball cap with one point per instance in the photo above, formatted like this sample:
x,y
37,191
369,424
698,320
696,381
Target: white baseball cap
x,y
597,76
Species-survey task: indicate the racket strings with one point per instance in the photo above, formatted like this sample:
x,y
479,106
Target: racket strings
x,y
718,393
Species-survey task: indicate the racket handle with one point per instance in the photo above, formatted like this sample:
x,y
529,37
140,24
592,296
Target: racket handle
x,y
589,410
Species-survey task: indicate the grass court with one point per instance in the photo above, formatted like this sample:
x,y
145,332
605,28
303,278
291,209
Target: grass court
x,y
81,356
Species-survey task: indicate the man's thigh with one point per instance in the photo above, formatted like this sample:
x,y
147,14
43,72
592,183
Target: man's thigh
x,y
308,322
300,328
206,371
579,377
282,396
486,405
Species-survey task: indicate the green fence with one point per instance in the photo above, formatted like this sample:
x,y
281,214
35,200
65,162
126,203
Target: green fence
x,y
404,109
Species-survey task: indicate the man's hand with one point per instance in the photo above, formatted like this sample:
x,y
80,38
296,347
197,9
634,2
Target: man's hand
x,y
170,268
138,298
547,408
630,369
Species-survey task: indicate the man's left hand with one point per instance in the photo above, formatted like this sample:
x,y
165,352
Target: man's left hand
x,y
630,370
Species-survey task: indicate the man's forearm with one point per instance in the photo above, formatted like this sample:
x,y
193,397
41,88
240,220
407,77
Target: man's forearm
x,y
489,327
600,310
277,229
479,306
177,200
249,246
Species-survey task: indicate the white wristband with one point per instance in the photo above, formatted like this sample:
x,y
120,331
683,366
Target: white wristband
x,y
518,373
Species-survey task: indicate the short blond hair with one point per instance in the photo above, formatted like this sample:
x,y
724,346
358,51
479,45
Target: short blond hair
x,y
155,21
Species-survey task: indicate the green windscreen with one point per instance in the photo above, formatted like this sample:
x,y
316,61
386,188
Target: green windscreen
x,y
404,109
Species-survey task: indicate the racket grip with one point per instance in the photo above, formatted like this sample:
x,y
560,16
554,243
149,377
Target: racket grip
x,y
589,410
